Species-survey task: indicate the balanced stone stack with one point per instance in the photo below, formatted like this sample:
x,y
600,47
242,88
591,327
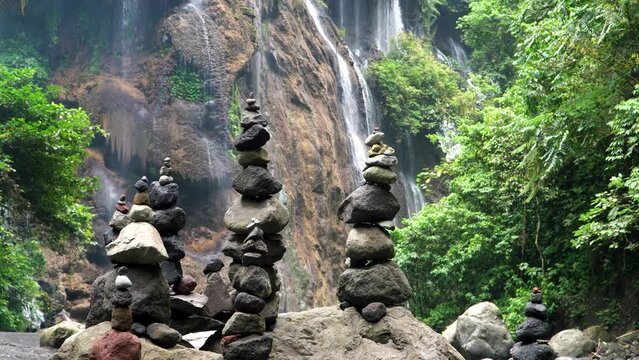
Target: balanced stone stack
x,y
119,221
139,247
255,219
119,343
534,332
372,281
168,219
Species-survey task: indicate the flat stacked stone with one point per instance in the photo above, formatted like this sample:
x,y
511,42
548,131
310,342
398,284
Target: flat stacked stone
x,y
534,332
168,219
255,219
372,281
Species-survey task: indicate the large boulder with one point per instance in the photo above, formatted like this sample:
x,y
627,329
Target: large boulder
x,y
150,293
329,333
269,213
137,243
480,333
598,333
78,347
383,282
572,343
57,334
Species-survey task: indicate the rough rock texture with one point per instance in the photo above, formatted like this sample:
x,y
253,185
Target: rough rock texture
x,y
532,329
271,215
163,335
55,335
573,343
150,294
78,347
598,333
218,291
138,243
191,304
243,323
163,197
480,333
369,243
532,351
256,181
384,283
330,333
252,347
368,204
169,221
117,345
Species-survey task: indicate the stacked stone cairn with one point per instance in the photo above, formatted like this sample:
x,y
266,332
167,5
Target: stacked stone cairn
x,y
136,254
534,332
168,219
119,343
119,221
255,219
372,281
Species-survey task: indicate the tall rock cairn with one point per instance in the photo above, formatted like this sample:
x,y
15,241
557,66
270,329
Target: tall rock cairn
x,y
168,219
372,281
255,219
534,332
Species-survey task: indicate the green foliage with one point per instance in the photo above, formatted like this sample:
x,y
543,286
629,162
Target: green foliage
x,y
186,84
417,92
19,52
22,262
42,145
235,112
545,189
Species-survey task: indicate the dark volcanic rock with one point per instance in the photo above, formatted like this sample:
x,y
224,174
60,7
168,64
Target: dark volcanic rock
x,y
163,197
384,282
195,323
252,138
138,329
174,246
218,291
533,351
248,303
109,236
150,292
214,265
532,329
254,280
172,271
275,250
253,347
256,181
169,221
232,246
538,311
368,204
162,335
374,312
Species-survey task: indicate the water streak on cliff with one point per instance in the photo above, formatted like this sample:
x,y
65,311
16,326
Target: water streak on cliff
x,y
350,110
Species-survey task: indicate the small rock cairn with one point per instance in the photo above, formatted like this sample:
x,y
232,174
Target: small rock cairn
x,y
119,343
372,281
534,332
255,245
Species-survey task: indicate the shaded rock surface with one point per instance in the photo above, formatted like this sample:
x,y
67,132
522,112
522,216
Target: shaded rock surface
x,y
480,332
572,343
385,283
151,303
137,243
330,333
57,334
368,204
78,347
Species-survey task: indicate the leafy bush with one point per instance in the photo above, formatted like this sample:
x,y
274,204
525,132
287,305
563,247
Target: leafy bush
x,y
417,92
187,85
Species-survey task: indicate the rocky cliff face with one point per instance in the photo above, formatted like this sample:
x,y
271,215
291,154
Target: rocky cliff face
x,y
271,47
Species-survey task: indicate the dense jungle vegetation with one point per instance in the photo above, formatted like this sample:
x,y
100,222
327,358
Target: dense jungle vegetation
x,y
544,190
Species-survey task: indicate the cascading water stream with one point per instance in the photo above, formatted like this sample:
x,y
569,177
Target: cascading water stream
x,y
389,23
128,31
348,101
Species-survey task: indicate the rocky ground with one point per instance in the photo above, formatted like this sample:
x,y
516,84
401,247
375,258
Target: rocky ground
x,y
22,346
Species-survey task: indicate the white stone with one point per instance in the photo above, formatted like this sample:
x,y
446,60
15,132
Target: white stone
x,y
141,213
374,138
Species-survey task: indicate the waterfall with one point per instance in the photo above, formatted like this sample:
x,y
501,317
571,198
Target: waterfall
x,y
348,100
388,23
131,11
197,6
